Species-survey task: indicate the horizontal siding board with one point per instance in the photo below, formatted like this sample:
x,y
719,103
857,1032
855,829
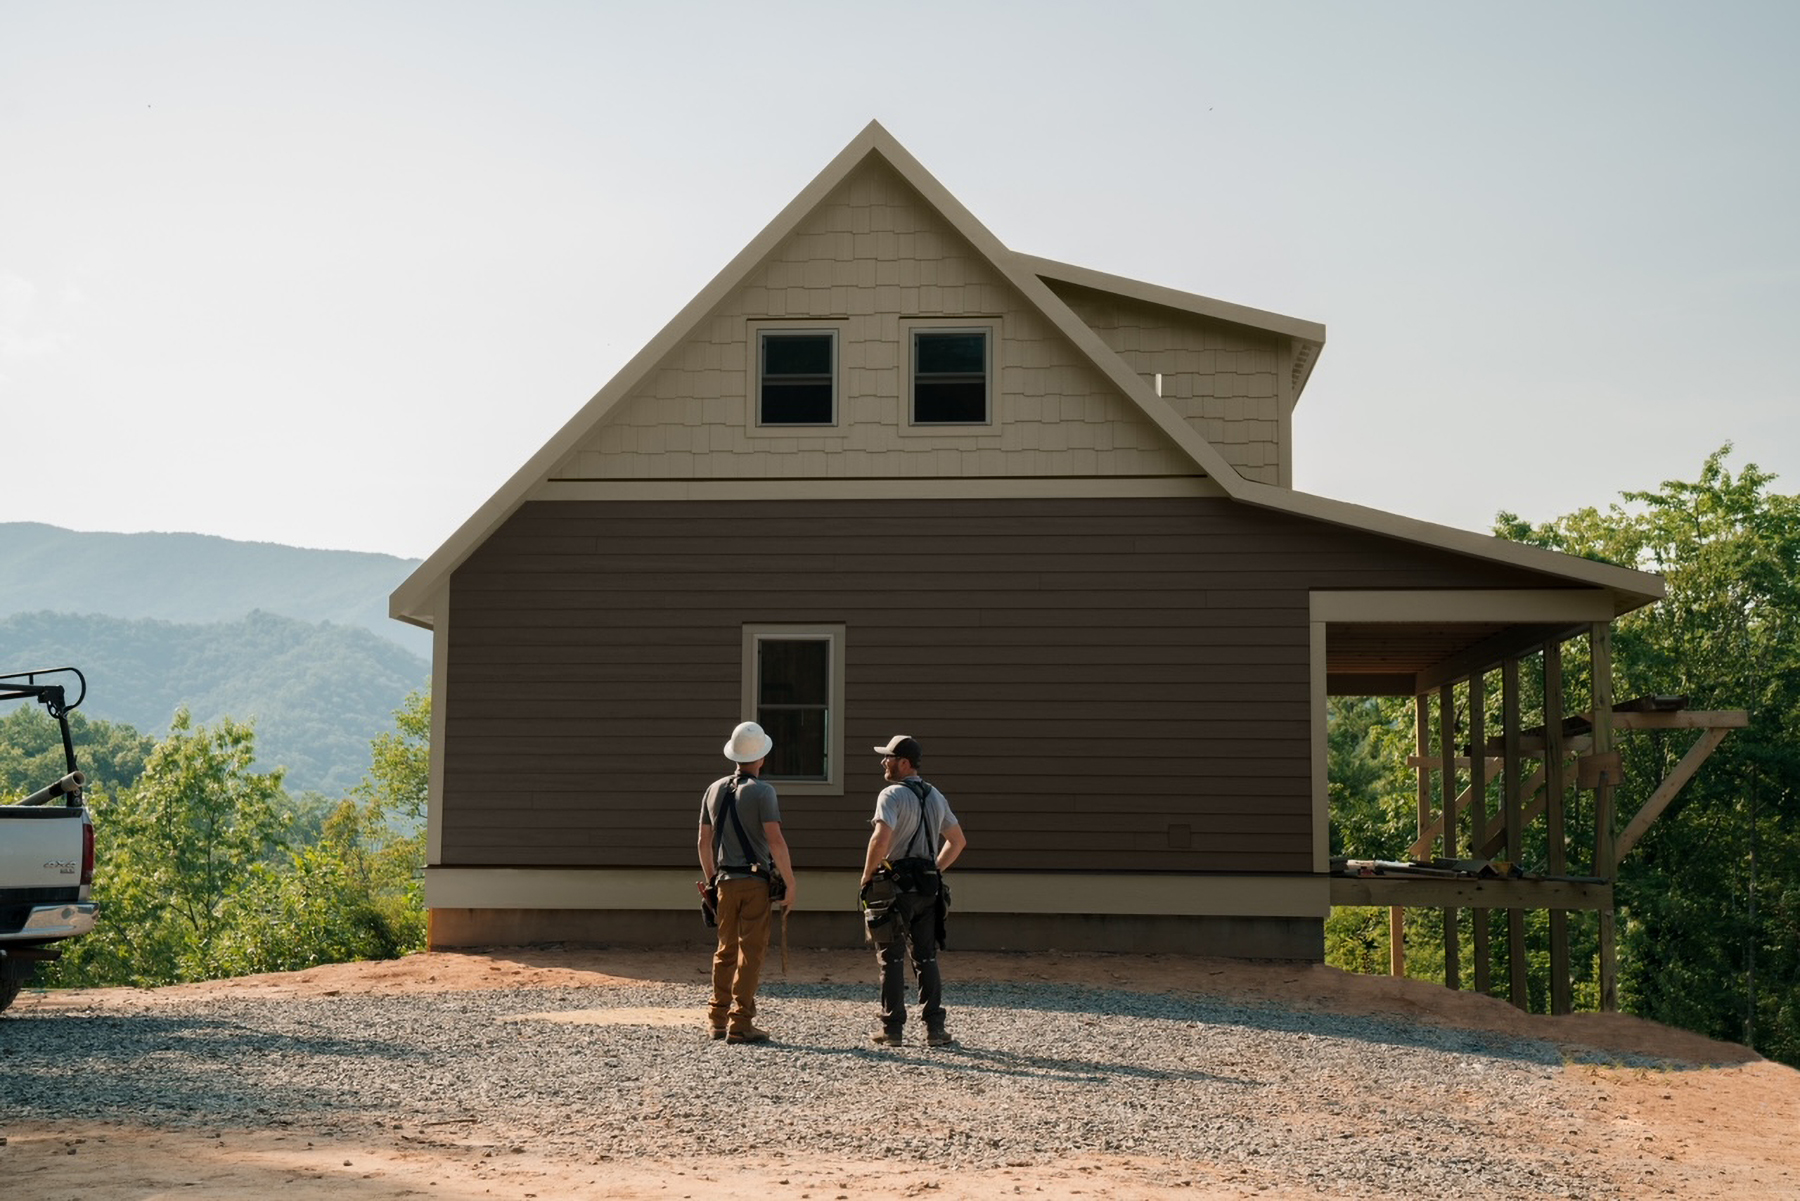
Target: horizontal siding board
x,y
581,786
1067,819
1129,736
880,613
1171,862
698,571
974,573
1009,596
603,743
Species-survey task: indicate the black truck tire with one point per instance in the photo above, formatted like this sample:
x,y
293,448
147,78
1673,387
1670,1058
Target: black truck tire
x,y
13,975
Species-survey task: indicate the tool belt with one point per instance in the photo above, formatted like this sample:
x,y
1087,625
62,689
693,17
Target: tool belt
x,y
919,882
919,876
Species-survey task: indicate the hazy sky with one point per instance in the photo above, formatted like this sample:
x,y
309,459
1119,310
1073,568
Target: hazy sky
x,y
328,273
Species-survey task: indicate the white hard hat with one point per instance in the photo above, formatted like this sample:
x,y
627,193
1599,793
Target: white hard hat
x,y
748,744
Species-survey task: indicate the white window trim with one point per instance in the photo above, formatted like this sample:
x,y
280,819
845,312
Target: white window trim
x,y
981,325
833,783
753,381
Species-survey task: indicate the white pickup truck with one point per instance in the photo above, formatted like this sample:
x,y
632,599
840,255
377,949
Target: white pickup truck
x,y
46,848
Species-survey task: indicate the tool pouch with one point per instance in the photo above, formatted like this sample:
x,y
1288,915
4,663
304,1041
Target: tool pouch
x,y
709,902
878,897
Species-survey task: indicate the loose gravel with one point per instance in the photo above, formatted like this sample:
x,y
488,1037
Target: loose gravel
x,y
1350,1105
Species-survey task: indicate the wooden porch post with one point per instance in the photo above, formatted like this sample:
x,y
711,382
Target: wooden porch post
x,y
1484,960
1514,802
1447,782
1561,996
1605,860
1421,752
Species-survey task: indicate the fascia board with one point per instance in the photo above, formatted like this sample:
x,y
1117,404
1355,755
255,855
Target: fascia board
x,y
1630,589
407,600
1189,302
1542,606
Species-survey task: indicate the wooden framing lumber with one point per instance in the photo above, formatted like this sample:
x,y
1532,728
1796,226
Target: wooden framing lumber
x,y
1478,820
1450,894
1562,998
1447,784
1606,861
1493,836
1565,746
1685,719
1513,804
1672,784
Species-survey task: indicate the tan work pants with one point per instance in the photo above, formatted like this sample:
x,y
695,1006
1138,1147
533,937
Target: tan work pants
x,y
744,910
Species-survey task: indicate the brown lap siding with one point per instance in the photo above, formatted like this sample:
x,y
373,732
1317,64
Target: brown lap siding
x,y
1099,684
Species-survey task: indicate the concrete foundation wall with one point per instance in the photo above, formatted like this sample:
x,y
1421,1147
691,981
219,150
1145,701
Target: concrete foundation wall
x,y
1227,937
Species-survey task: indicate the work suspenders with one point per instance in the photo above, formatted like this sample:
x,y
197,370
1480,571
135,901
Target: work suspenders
x,y
922,791
728,808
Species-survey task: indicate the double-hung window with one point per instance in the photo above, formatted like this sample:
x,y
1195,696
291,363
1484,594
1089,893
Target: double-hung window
x,y
794,688
796,377
951,370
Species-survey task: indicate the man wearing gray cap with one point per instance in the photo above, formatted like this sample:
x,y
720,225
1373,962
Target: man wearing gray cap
x,y
744,855
915,838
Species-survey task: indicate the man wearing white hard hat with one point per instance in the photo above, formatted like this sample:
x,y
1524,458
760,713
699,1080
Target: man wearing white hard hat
x,y
744,856
914,838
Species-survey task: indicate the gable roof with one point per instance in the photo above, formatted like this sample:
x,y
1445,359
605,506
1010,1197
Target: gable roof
x,y
1030,275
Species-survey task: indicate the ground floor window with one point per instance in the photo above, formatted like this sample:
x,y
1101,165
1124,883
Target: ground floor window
x,y
794,687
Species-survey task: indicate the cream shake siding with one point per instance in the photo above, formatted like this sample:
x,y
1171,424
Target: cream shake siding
x,y
1225,380
1054,414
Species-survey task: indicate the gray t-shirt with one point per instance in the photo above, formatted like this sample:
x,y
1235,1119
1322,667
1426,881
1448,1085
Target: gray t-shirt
x,y
900,808
756,804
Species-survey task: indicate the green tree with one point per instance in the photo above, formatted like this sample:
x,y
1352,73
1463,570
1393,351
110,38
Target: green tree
x,y
177,851
208,868
352,895
1374,807
356,892
111,755
399,778
1374,815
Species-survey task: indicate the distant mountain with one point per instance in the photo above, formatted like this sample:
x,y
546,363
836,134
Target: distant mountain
x,y
317,692
198,579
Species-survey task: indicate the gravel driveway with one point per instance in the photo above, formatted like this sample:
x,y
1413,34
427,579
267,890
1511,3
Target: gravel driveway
x,y
1342,1104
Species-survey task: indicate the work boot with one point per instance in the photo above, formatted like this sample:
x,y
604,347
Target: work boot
x,y
884,1037
937,1036
746,1034
718,1032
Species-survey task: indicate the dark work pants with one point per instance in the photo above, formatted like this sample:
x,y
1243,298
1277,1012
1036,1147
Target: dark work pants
x,y
914,937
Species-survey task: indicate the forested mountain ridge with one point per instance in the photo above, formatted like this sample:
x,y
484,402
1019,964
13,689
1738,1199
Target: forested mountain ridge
x,y
317,693
198,579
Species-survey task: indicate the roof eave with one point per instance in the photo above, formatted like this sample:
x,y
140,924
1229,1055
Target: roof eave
x,y
1630,589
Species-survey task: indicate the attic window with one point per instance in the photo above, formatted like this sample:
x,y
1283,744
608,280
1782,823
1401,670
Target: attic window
x,y
797,379
950,376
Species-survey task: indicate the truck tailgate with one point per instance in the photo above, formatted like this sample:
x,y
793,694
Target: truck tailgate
x,y
40,852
